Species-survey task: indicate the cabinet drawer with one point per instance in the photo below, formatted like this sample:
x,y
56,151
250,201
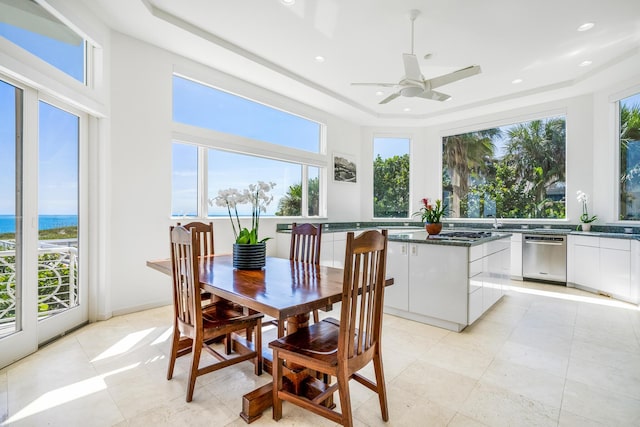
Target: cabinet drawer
x,y
620,244
586,241
475,267
475,252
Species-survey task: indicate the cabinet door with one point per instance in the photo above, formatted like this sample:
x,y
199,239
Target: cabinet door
x,y
439,281
516,255
326,249
586,266
615,272
397,295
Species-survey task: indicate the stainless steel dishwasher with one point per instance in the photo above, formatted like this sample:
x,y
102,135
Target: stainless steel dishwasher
x,y
544,257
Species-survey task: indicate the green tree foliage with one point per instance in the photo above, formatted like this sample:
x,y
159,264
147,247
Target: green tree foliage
x,y
391,187
526,182
291,203
464,158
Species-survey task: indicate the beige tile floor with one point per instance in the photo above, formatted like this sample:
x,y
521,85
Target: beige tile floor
x,y
544,355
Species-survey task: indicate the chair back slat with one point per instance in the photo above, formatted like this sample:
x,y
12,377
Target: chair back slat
x,y
205,236
186,282
305,243
362,292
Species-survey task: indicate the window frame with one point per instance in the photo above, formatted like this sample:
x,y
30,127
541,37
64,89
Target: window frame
x,y
615,101
206,139
410,139
509,121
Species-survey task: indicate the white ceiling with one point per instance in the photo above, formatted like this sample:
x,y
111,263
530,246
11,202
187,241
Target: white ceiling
x,y
274,46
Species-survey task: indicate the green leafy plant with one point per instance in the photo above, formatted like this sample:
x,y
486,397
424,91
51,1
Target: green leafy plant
x,y
431,213
258,196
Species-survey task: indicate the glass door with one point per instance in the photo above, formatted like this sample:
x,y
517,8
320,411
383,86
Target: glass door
x,y
17,317
61,288
43,290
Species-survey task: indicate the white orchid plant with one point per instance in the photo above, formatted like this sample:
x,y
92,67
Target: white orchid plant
x,y
258,196
584,199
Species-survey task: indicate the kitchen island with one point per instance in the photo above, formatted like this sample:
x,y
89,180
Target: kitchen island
x,y
448,280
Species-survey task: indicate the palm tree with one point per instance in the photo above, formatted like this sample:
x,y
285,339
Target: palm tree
x,y
629,163
465,155
536,150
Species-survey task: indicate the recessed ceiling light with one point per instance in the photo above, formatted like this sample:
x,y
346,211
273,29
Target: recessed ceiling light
x,y
287,2
516,81
586,26
585,63
379,93
407,109
319,58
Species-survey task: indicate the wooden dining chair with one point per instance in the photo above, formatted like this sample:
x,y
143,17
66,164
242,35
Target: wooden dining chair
x,y
305,247
195,327
205,236
341,348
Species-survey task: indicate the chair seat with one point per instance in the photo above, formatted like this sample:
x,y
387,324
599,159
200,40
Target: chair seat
x,y
317,341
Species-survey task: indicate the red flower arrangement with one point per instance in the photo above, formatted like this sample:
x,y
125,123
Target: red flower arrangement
x,y
431,213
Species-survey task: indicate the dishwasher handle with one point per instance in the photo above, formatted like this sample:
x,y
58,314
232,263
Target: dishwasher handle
x,y
540,242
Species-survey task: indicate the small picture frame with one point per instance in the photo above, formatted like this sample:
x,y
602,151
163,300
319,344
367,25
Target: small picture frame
x,y
344,168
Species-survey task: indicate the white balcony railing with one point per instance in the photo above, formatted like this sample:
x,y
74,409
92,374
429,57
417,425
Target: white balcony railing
x,y
57,281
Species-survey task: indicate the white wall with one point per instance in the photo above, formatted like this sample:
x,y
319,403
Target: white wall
x,y
140,169
140,162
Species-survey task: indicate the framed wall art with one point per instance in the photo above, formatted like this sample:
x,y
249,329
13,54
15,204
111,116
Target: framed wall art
x,y
344,168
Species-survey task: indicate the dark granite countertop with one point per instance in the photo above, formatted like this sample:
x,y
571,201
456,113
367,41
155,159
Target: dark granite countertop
x,y
616,232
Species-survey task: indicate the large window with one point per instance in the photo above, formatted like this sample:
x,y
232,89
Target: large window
x,y
36,30
203,106
252,142
629,133
512,171
391,177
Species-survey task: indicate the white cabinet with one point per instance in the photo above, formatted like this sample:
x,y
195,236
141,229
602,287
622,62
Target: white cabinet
x,y
397,296
584,263
603,265
445,285
516,256
438,282
615,267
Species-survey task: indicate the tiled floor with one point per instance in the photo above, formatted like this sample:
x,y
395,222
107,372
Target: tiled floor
x,y
544,355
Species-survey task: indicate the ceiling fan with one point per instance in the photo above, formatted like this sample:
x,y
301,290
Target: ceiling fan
x,y
413,82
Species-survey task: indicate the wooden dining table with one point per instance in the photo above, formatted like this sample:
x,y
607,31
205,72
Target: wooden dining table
x,y
285,290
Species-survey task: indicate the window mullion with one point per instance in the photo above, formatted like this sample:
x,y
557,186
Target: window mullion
x,y
203,184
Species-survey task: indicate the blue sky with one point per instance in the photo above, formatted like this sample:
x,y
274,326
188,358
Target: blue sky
x,y
58,131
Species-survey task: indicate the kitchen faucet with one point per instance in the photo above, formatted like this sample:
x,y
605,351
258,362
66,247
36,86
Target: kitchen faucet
x,y
496,224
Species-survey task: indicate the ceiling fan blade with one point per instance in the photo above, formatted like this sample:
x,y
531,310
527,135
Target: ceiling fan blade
x,y
432,94
375,84
390,98
454,76
411,67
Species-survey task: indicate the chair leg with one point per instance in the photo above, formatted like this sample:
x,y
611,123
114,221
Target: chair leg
x,y
345,399
257,346
193,372
174,352
277,385
316,316
381,386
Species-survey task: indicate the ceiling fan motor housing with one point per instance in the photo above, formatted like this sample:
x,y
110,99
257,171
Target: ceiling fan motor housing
x,y
410,91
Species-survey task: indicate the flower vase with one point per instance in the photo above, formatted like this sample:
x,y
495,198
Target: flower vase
x,y
433,228
586,227
249,257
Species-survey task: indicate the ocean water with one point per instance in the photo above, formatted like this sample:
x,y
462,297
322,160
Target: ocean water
x,y
45,222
